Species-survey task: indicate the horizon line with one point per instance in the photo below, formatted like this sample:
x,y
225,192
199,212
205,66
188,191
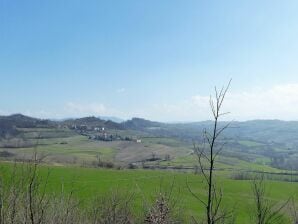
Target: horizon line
x,y
127,119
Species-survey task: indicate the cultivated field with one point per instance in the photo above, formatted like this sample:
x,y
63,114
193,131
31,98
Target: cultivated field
x,y
64,146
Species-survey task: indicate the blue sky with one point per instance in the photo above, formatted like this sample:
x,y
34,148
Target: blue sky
x,y
154,59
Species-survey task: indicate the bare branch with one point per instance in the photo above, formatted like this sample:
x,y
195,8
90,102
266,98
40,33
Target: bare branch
x,y
193,194
207,155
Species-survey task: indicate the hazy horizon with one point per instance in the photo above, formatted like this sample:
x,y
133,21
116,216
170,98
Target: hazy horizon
x,y
120,119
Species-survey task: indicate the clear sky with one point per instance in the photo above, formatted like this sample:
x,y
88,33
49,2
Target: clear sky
x,y
157,59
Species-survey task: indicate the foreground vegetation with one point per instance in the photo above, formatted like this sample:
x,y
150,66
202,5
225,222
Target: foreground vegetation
x,y
78,188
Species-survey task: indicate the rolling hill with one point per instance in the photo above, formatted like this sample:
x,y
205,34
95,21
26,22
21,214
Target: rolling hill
x,y
260,142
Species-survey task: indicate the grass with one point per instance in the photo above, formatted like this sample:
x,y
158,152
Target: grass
x,y
250,143
87,181
166,141
68,147
223,163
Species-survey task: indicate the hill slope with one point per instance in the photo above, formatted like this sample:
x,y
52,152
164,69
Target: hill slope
x,y
259,142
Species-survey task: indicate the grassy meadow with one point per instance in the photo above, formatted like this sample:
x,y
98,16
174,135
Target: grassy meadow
x,y
145,184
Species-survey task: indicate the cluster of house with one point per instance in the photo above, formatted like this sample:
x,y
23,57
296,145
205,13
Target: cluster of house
x,y
80,127
106,137
100,133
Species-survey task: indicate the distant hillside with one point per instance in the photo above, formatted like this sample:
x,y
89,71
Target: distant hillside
x,y
266,131
22,121
114,119
271,142
260,130
9,124
92,122
141,124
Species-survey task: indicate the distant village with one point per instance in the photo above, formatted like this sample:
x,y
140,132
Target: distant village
x,y
102,134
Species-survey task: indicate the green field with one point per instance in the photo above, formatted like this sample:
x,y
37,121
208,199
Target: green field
x,y
64,146
89,182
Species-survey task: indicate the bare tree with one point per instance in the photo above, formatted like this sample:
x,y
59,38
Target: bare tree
x,y
64,208
207,153
159,213
266,212
166,208
1,203
23,198
294,211
113,208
